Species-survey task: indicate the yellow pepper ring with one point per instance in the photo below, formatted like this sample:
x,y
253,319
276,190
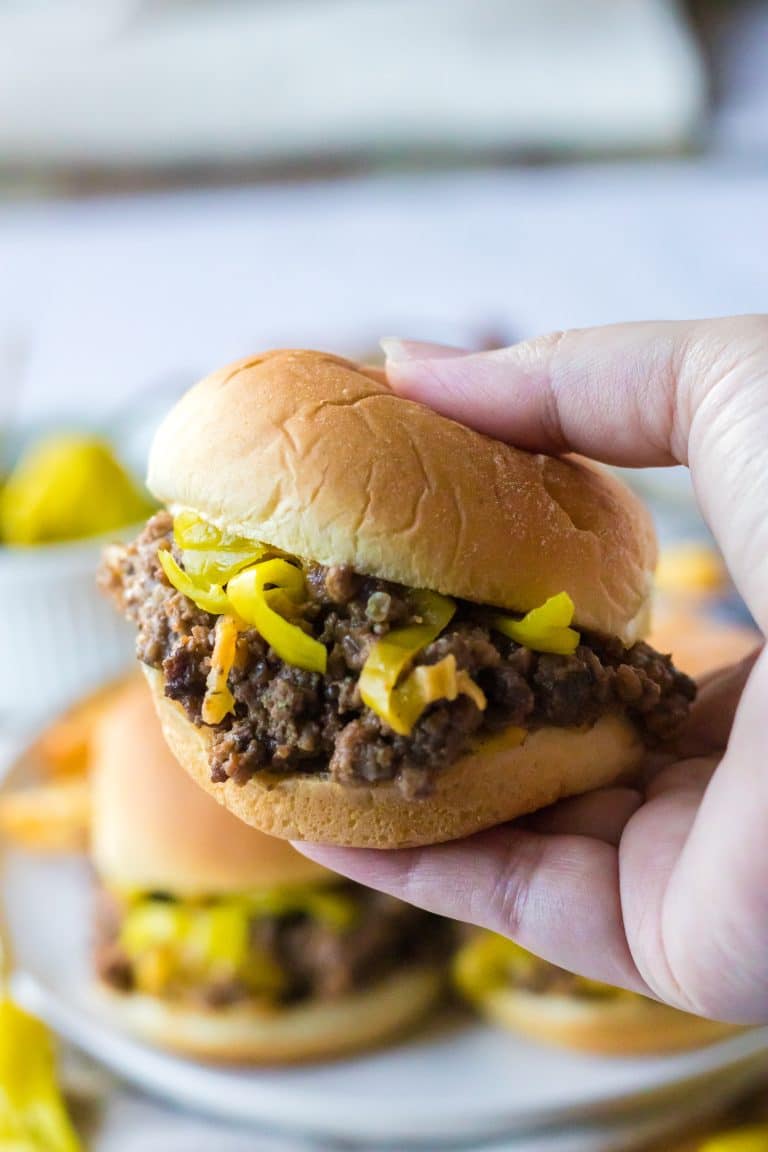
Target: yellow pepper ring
x,y
389,656
248,593
543,629
753,1138
212,599
190,531
32,1112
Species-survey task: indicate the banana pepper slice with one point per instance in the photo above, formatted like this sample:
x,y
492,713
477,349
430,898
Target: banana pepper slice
x,y
389,656
426,684
32,1113
212,598
753,1138
212,556
543,629
489,962
256,593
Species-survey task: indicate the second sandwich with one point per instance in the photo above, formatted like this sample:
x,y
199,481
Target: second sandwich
x,y
217,941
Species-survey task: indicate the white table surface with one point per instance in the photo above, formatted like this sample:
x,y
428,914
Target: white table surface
x,y
102,300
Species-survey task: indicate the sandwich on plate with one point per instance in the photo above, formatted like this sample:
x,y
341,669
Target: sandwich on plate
x,y
519,991
214,940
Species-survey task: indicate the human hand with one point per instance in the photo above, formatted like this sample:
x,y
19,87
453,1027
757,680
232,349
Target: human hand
x,y
665,890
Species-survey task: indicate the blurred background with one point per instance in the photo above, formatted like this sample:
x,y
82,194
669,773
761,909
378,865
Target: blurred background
x,y
183,182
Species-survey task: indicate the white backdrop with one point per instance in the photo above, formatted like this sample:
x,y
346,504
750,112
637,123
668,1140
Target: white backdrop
x,y
100,300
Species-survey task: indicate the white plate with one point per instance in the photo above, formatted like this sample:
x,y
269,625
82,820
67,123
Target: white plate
x,y
452,1082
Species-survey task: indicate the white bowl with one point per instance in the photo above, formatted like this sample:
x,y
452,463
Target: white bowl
x,y
61,637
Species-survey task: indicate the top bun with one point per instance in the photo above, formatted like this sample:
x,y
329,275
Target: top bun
x,y
317,456
154,829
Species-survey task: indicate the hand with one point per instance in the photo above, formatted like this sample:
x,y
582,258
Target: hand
x,y
663,891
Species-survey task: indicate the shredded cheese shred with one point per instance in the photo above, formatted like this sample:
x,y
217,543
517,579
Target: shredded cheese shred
x,y
219,701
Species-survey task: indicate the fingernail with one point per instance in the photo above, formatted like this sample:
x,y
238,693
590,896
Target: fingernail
x,y
399,351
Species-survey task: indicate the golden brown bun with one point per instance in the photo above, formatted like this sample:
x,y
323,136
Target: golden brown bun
x,y
624,1026
494,784
322,1028
315,455
152,828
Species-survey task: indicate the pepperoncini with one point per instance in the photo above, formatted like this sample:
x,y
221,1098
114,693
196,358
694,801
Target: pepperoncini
x,y
543,629
753,1138
336,909
217,937
226,574
171,943
426,684
68,488
489,962
209,555
256,593
32,1113
389,656
191,531
210,599
151,923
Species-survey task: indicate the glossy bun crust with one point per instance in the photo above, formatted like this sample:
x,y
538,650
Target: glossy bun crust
x,y
317,456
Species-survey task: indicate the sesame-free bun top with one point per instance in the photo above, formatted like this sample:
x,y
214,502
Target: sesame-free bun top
x,y
154,829
317,456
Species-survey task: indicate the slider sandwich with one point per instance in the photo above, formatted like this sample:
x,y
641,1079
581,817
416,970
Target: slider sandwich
x,y
366,624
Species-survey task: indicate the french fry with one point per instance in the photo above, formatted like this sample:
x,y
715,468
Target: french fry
x,y
51,817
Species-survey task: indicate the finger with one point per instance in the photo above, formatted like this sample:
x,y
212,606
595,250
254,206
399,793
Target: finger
x,y
556,895
420,349
625,393
650,848
705,914
601,815
690,775
709,724
632,394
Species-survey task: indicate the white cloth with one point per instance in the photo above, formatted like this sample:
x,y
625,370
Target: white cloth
x,y
102,301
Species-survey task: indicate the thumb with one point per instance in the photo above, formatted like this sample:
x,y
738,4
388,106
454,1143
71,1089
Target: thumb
x,y
631,394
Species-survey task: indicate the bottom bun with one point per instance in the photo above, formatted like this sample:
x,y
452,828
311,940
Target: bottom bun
x,y
620,1026
501,779
252,1035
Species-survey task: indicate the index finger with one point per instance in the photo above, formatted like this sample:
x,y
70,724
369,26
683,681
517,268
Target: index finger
x,y
631,394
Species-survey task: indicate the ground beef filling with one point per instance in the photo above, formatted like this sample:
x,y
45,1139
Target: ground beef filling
x,y
316,960
289,720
